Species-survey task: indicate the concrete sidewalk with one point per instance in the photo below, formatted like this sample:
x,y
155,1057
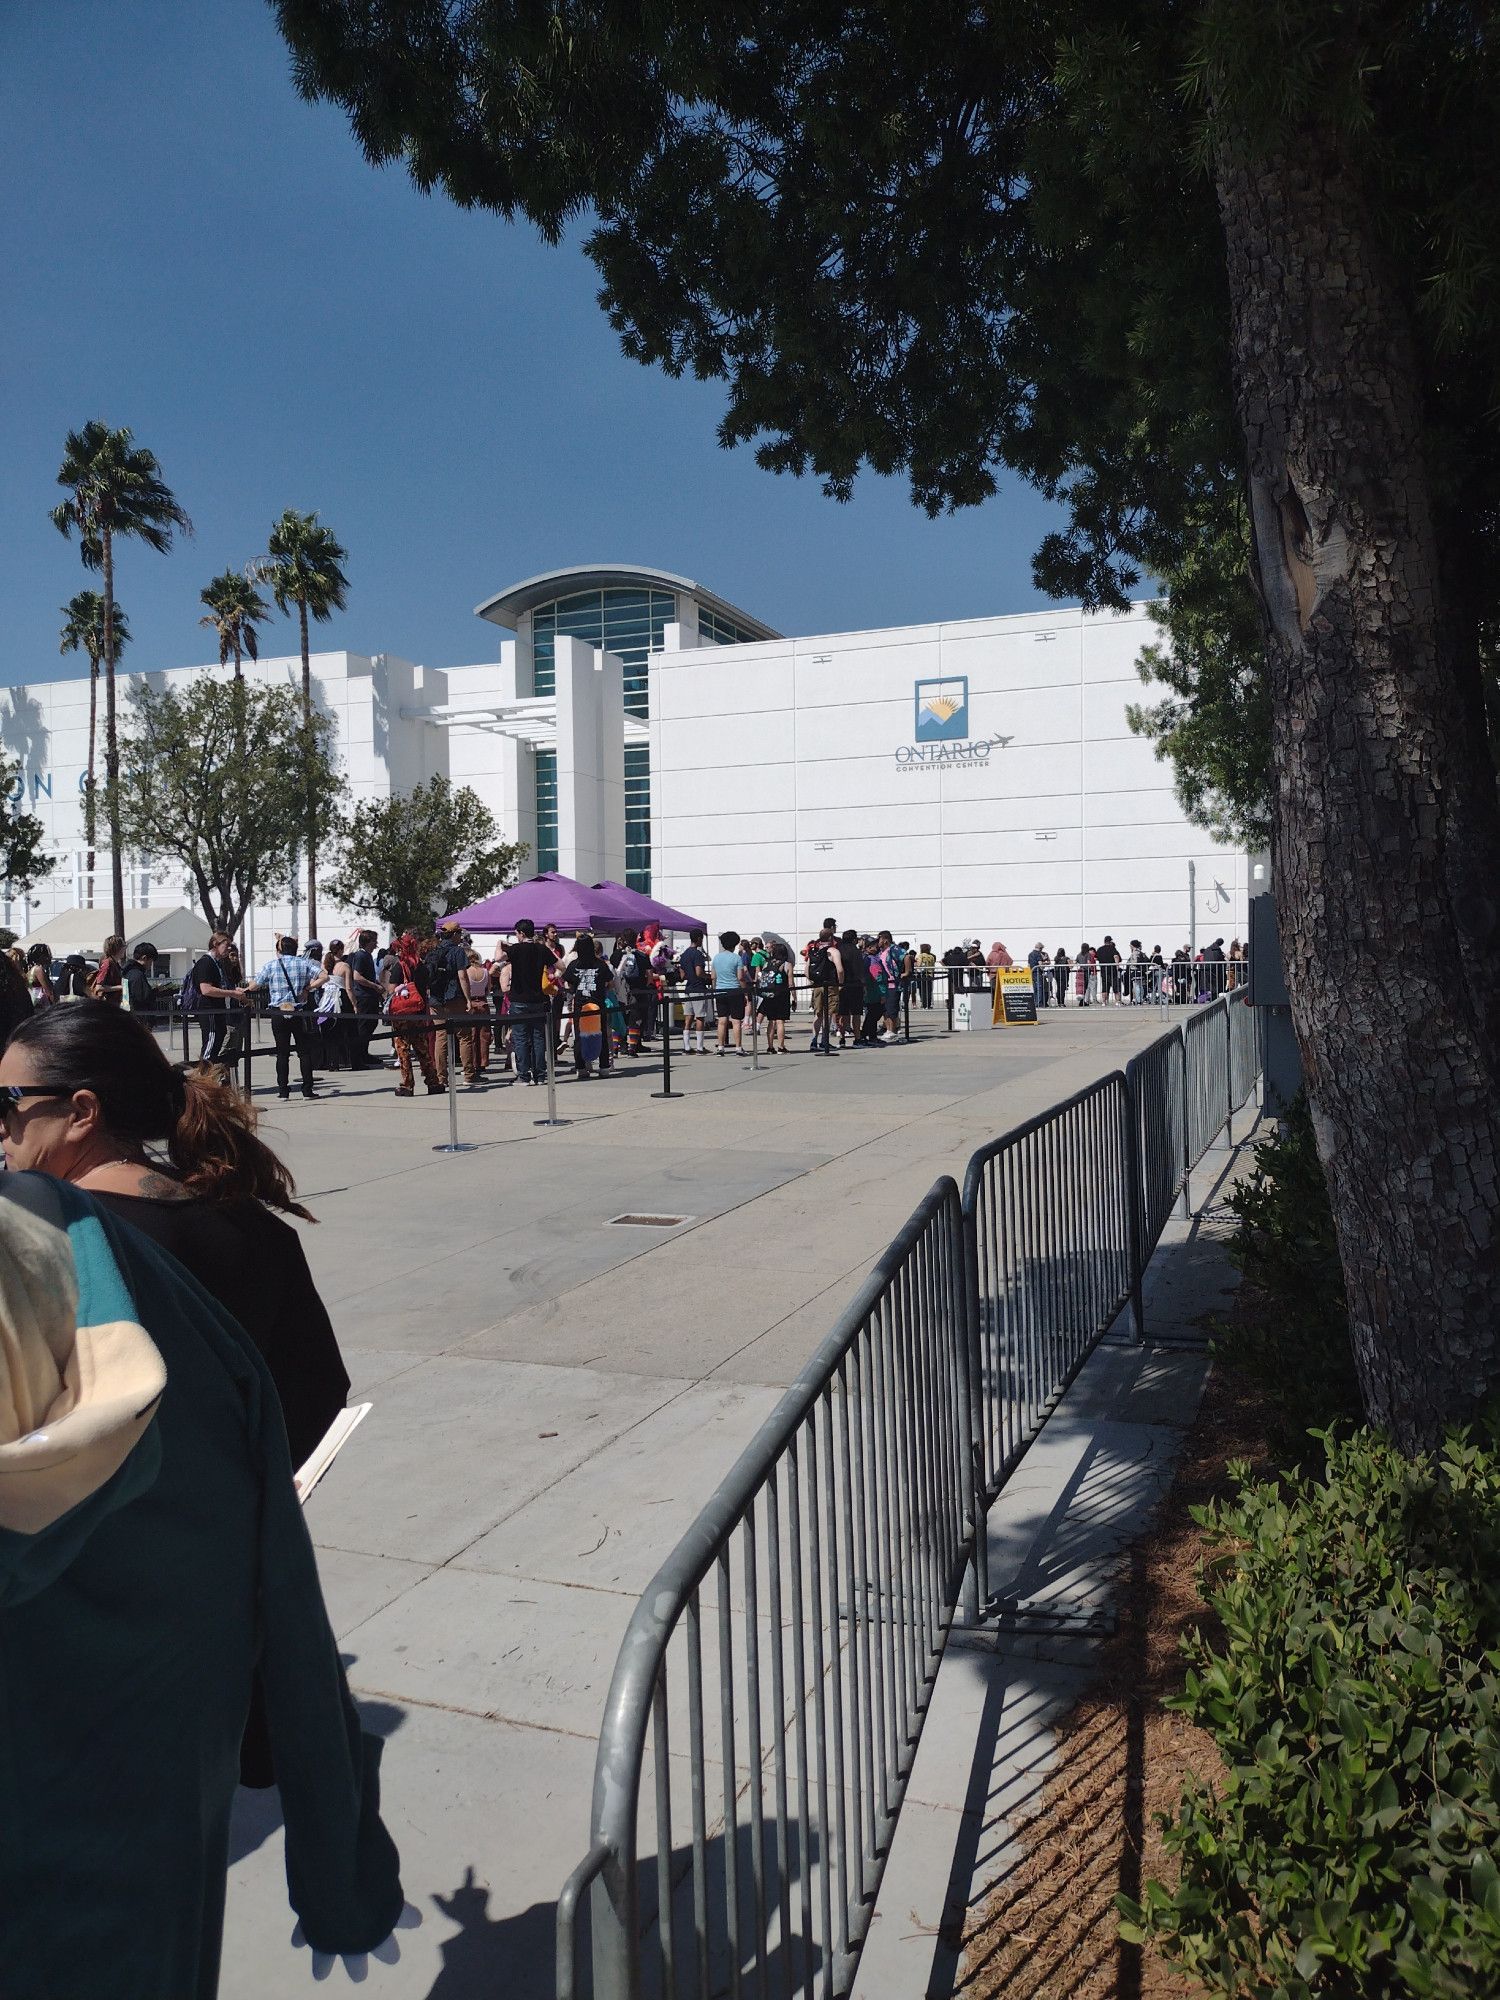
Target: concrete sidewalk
x,y
1083,1493
555,1397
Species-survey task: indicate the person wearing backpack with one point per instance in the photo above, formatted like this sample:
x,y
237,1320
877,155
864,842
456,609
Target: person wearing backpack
x,y
405,982
825,975
632,966
287,981
446,999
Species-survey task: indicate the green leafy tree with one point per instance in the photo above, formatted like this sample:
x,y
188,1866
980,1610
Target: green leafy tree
x,y
217,776
402,853
23,859
235,609
83,631
115,489
304,566
1197,268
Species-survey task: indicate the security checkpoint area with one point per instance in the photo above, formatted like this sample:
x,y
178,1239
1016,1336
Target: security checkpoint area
x,y
569,1332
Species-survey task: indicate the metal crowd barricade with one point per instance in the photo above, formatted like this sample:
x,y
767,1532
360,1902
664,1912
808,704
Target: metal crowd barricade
x,y
1051,1223
771,1689
794,1635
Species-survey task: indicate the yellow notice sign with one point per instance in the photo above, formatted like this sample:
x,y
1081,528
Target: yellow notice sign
x,y
1015,998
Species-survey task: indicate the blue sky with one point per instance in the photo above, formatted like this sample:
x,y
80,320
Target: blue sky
x,y
193,252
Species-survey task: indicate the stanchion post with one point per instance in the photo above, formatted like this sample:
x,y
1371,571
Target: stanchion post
x,y
666,1052
245,1053
948,1001
450,1030
906,1003
754,1029
552,1117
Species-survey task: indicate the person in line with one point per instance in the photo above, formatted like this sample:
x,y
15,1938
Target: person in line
x,y
1035,961
926,975
825,975
774,987
693,965
527,1006
474,980
1156,974
633,984
140,974
893,958
335,1008
873,977
976,975
852,990
211,983
15,998
39,975
406,1010
1214,968
1135,973
365,989
729,975
288,980
1061,966
1182,976
108,982
998,959
154,1559
1107,956
587,980
1239,969
446,998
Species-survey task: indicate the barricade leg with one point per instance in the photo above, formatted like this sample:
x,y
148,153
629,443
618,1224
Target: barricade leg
x,y
552,1117
450,1029
666,1054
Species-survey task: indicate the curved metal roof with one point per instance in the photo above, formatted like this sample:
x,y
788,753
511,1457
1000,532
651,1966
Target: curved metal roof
x,y
506,607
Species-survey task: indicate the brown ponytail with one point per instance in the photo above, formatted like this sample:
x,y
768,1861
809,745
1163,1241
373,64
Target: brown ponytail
x,y
215,1147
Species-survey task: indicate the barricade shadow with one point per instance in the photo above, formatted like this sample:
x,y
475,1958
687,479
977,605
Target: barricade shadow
x,y
793,1960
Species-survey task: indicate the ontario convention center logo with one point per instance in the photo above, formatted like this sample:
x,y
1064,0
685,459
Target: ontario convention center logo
x,y
942,730
943,710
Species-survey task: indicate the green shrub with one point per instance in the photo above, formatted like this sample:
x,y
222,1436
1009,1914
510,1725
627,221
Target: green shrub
x,y
1354,1848
1290,1333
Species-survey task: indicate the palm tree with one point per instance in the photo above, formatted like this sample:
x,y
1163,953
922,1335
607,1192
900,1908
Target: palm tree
x,y
235,608
304,566
115,488
84,632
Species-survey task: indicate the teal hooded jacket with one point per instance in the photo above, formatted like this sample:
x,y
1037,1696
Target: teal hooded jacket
x,y
152,1556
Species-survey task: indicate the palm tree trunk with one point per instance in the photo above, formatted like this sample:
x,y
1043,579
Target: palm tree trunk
x,y
89,812
112,742
312,838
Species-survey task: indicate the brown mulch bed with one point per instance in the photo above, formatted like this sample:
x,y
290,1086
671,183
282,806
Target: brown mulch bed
x,y
1049,1930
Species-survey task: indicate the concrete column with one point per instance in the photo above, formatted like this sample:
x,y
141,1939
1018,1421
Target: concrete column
x,y
590,762
611,680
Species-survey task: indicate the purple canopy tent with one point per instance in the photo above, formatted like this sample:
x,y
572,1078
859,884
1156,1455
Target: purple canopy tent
x,y
640,910
548,899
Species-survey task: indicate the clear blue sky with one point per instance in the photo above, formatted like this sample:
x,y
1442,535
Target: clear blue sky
x,y
193,252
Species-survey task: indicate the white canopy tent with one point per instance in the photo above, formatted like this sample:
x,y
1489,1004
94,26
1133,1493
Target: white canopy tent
x,y
179,934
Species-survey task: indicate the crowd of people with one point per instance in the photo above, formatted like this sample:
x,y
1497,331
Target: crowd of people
x,y
602,999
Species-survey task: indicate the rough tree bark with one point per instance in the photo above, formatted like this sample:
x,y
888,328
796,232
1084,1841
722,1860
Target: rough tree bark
x,y
1386,843
112,743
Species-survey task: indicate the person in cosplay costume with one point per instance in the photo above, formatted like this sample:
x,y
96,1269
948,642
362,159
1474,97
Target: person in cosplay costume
x,y
152,1554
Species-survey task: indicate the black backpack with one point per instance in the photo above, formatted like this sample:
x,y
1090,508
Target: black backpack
x,y
444,963
820,967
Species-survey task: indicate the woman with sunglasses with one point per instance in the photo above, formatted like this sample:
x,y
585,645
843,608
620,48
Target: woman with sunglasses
x,y
87,1095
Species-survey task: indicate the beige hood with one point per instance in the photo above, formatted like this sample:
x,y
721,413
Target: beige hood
x,y
74,1400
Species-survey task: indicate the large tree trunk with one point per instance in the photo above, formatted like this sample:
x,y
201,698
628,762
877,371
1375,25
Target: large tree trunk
x,y
312,823
1386,840
112,744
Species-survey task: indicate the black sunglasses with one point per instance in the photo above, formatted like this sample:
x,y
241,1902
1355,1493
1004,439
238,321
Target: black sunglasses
x,y
12,1093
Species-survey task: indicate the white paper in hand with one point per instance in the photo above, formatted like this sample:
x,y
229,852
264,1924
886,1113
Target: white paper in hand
x,y
328,1447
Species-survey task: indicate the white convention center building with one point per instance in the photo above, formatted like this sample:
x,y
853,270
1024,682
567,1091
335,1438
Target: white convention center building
x,y
973,778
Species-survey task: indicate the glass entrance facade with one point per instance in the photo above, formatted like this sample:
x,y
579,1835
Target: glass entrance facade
x,y
631,624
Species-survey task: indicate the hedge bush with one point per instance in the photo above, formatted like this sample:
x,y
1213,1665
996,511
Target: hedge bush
x,y
1290,1331
1354,1848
